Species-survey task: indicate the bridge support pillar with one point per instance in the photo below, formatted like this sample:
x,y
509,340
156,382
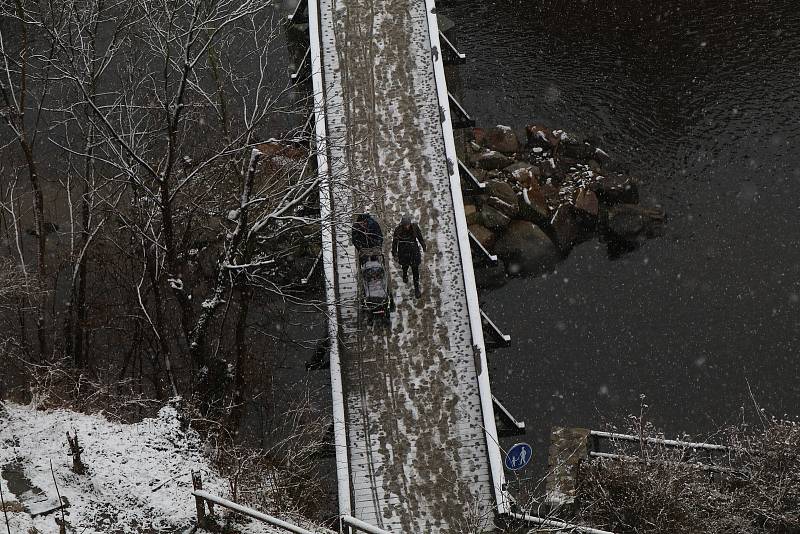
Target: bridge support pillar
x,y
509,425
492,329
300,13
459,116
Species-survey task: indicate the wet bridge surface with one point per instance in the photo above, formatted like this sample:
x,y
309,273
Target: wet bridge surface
x,y
422,454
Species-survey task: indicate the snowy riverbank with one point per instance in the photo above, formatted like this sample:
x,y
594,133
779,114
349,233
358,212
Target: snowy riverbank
x,y
137,475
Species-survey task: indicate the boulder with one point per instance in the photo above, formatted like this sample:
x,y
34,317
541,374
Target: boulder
x,y
617,189
600,156
625,223
518,166
549,167
630,221
491,159
550,191
587,203
509,210
479,136
540,137
493,219
526,249
503,139
502,197
471,212
522,173
587,209
522,177
533,205
572,148
501,189
484,236
565,227
479,175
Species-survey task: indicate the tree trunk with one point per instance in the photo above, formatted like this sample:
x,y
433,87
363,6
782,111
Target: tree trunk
x,y
242,357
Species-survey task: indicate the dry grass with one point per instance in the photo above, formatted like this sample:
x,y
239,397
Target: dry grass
x,y
757,491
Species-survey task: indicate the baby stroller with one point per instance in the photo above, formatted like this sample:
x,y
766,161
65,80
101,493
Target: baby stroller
x,y
375,298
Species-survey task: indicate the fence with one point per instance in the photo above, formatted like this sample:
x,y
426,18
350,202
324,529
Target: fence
x,y
203,497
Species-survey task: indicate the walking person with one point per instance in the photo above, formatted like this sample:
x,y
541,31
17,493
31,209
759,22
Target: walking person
x,y
406,243
366,232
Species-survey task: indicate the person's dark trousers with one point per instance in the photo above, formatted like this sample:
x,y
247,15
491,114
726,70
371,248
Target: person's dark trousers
x,y
414,273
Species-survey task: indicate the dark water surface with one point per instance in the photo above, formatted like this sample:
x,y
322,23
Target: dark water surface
x,y
700,99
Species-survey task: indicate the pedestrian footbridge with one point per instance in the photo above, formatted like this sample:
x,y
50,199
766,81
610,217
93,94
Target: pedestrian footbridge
x,y
416,443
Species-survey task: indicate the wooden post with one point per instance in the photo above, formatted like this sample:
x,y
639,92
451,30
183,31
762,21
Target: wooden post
x,y
197,483
3,504
75,452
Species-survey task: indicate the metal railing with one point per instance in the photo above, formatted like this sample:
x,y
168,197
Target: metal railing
x,y
476,326
326,215
361,525
696,465
553,523
249,512
597,434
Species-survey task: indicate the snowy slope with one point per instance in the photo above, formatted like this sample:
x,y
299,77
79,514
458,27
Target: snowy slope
x,y
138,476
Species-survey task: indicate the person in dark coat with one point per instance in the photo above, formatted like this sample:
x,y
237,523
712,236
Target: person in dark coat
x,y
406,243
367,232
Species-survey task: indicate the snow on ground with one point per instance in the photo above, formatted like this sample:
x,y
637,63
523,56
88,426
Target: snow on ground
x,y
138,477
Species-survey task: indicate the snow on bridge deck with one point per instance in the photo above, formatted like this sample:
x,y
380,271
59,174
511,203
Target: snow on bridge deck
x,y
421,442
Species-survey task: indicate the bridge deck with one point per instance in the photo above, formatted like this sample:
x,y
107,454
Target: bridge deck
x,y
416,440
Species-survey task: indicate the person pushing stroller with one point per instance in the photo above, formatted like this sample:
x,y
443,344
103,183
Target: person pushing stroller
x,y
367,232
406,243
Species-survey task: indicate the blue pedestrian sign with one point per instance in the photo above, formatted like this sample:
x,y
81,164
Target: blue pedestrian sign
x,y
518,456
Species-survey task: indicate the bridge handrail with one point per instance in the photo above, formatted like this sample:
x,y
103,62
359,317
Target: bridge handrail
x,y
337,391
255,514
553,523
361,525
476,326
659,441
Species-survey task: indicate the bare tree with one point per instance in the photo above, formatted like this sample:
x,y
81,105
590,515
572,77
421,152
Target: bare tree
x,y
156,115
24,89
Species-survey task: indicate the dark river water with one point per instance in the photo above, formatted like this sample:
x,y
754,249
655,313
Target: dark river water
x,y
700,100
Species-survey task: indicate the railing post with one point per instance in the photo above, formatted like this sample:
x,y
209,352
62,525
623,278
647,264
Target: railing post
x,y
197,483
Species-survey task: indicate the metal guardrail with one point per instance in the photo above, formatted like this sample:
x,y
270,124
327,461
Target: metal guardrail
x,y
502,338
298,16
484,253
204,496
555,524
453,57
473,183
695,465
514,426
597,434
249,512
476,326
304,281
296,76
463,119
326,215
361,525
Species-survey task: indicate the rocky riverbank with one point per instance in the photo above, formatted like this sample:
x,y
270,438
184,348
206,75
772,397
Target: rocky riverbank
x,y
543,196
